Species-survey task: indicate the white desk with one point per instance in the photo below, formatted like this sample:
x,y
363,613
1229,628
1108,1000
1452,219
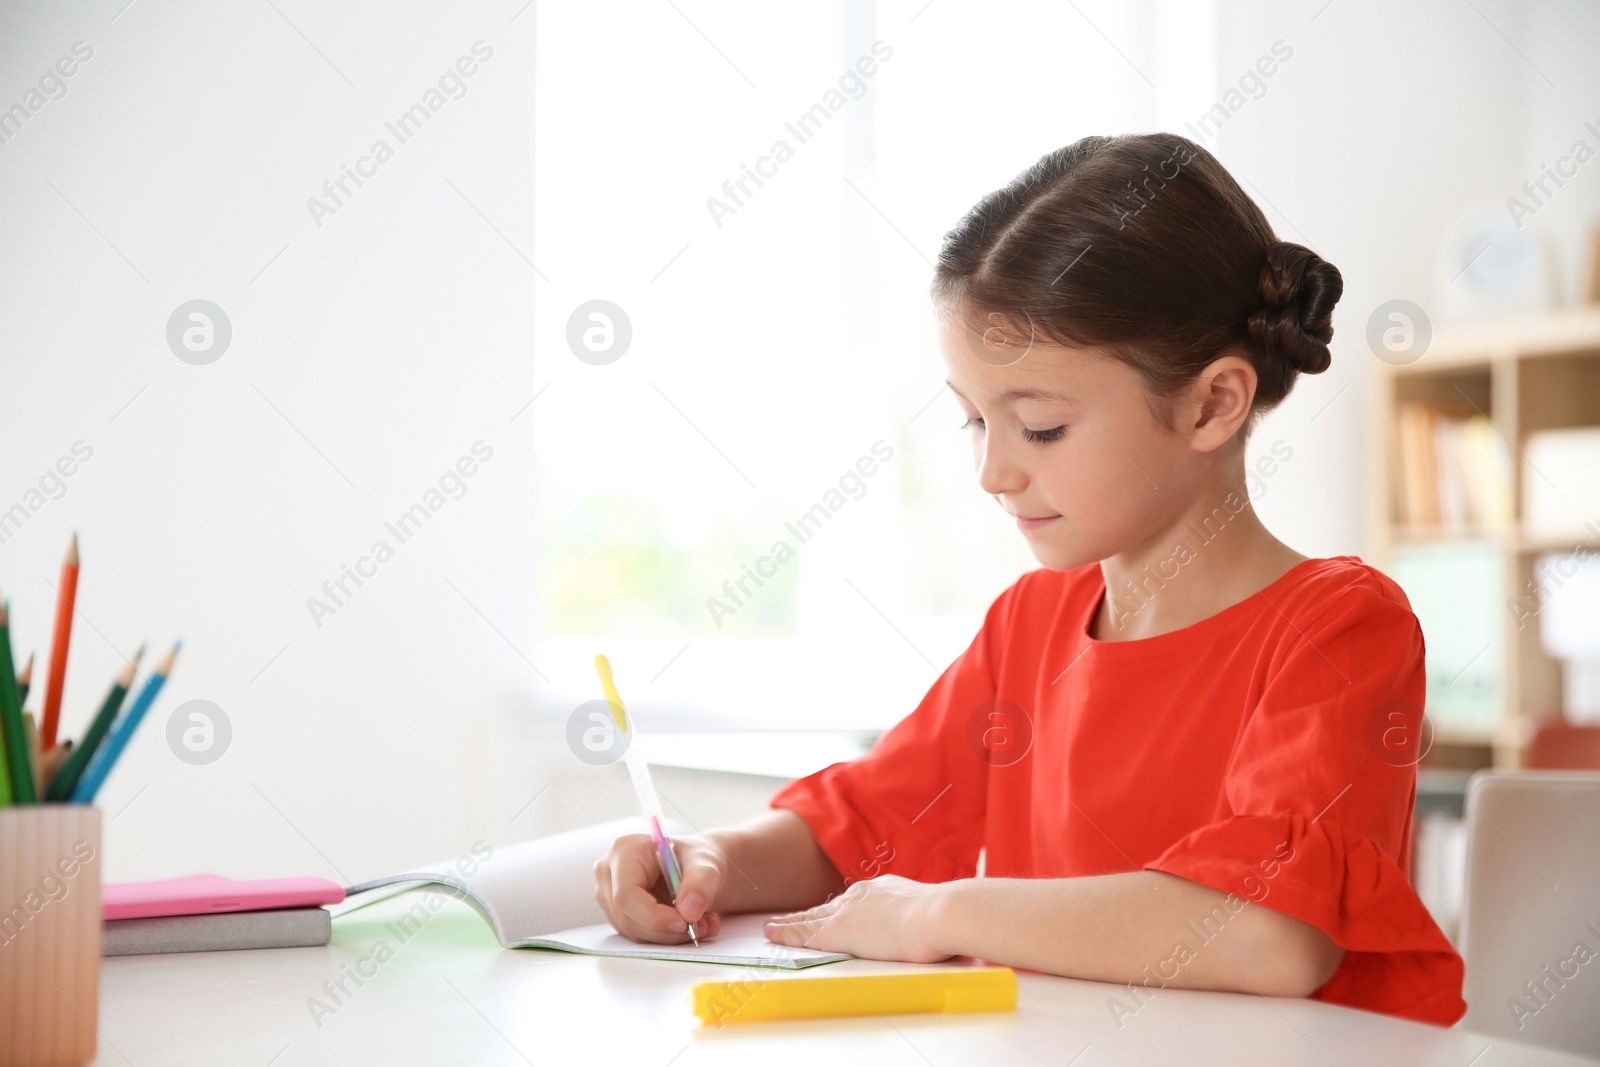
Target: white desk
x,y
452,995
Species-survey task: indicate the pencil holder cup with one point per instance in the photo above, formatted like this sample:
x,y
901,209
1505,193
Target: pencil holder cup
x,y
50,934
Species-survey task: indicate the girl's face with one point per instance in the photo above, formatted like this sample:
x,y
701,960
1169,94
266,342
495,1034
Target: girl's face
x,y
1065,440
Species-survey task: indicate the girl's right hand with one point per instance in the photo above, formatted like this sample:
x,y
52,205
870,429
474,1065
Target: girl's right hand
x,y
634,894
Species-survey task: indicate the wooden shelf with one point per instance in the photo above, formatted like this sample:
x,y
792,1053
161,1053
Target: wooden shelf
x,y
1509,539
1465,738
1526,375
1431,535
1539,543
1531,337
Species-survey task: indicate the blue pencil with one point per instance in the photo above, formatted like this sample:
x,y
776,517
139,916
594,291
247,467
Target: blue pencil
x,y
94,777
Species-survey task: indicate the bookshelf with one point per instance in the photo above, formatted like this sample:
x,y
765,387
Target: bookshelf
x,y
1524,375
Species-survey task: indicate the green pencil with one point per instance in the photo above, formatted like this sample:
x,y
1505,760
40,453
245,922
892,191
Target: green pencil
x,y
66,779
22,791
5,774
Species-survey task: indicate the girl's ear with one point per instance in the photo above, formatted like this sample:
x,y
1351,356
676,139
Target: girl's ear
x,y
1218,403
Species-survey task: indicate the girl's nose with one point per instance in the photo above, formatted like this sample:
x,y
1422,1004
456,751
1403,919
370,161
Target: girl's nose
x,y
998,471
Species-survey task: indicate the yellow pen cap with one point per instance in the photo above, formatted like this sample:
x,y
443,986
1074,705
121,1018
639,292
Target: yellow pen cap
x,y
608,685
952,990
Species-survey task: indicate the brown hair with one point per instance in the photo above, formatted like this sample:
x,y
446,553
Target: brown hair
x,y
1144,246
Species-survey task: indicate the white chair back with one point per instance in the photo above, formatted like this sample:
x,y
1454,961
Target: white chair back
x,y
1530,931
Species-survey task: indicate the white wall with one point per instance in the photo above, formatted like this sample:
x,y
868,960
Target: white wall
x,y
368,354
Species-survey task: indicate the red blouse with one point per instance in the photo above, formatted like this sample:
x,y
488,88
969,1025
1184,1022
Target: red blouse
x,y
1264,752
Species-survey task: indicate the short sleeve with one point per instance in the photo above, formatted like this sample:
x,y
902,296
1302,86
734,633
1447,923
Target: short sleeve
x,y
914,804
1318,825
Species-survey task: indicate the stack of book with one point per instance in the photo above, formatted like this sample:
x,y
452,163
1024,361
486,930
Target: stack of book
x,y
1455,470
209,913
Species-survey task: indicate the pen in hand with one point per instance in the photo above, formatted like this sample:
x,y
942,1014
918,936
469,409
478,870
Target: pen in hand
x,y
643,787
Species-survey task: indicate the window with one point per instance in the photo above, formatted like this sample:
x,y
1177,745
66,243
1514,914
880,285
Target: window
x,y
762,192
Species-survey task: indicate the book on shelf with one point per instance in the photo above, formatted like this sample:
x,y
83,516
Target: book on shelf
x,y
1454,588
1455,469
1439,867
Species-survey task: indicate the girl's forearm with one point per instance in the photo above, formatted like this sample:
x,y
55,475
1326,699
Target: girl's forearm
x,y
1145,927
773,864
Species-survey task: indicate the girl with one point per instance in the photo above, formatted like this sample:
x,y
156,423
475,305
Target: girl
x,y
1180,751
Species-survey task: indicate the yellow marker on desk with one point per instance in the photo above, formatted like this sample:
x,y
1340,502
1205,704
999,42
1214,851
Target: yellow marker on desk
x,y
957,989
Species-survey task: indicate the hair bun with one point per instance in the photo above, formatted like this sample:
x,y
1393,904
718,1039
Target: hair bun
x,y
1298,290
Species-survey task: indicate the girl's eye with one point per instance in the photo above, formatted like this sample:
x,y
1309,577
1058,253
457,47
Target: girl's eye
x,y
1041,437
971,424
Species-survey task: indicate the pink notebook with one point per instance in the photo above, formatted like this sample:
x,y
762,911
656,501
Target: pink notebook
x,y
203,894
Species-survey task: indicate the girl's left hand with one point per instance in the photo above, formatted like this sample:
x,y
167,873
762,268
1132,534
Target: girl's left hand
x,y
883,918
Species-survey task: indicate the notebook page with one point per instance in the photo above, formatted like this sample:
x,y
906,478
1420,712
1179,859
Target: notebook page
x,y
741,942
522,890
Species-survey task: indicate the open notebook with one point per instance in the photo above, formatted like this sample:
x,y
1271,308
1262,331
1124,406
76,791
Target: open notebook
x,y
540,894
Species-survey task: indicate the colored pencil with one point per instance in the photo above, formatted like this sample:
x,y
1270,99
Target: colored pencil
x,y
30,730
643,787
31,735
50,761
5,772
66,598
66,779
25,680
22,791
100,766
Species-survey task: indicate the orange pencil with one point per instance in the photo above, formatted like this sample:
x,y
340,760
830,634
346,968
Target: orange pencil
x,y
67,595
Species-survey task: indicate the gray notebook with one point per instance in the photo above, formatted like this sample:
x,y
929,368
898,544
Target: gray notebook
x,y
219,932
